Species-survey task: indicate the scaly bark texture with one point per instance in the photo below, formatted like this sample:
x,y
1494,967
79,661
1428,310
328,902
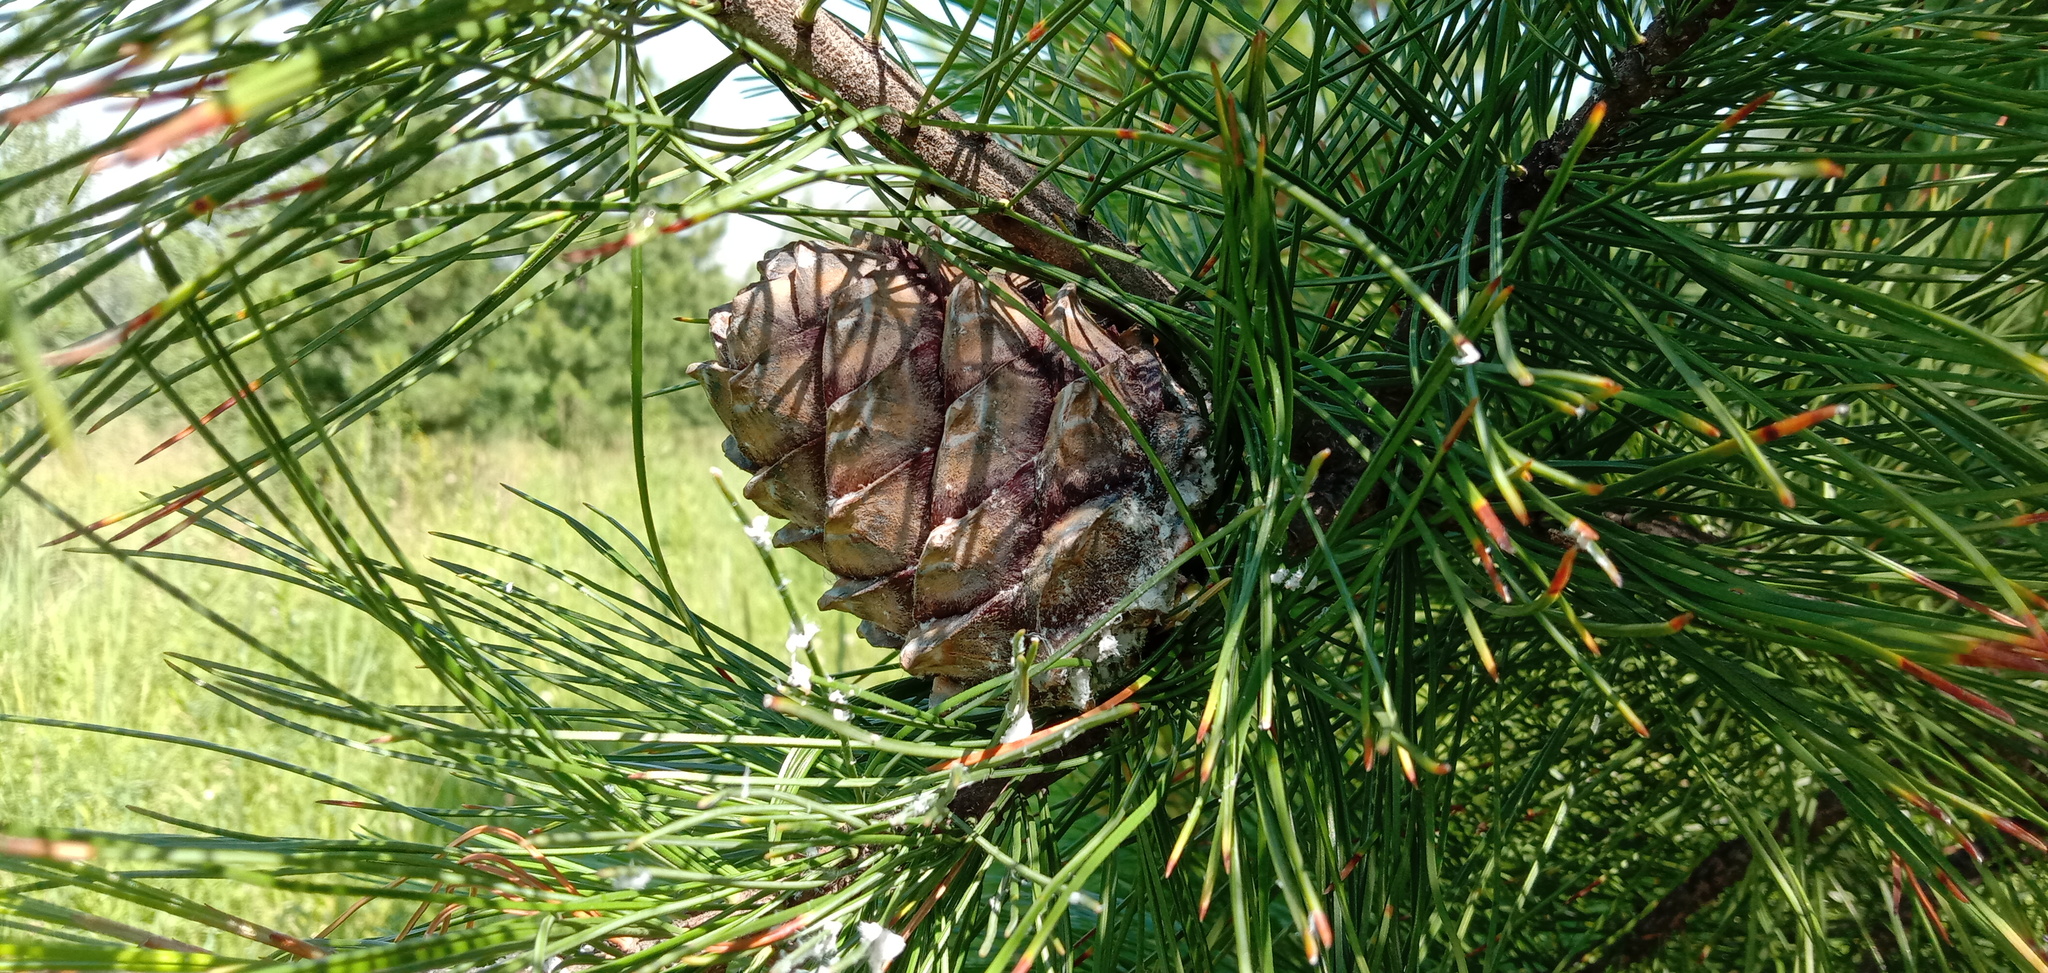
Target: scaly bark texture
x,y
936,449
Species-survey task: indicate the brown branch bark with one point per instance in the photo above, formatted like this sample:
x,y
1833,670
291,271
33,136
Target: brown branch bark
x,y
1715,874
974,800
1633,82
1728,863
863,76
832,59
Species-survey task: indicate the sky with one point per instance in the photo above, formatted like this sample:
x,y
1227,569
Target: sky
x,y
746,238
741,101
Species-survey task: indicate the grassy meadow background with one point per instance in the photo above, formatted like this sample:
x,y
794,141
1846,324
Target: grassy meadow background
x,y
542,404
85,639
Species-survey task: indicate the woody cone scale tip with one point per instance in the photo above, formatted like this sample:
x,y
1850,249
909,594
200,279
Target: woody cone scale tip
x,y
932,445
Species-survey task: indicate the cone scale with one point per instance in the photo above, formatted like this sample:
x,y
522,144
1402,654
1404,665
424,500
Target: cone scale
x,y
930,443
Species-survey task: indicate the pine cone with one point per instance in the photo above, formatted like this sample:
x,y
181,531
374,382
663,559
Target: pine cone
x,y
934,447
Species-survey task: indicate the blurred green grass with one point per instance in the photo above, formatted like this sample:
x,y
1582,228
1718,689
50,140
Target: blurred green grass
x,y
83,638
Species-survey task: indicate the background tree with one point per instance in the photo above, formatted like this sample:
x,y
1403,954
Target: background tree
x,y
1623,550
557,370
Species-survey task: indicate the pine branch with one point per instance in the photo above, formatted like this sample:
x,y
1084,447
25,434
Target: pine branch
x,y
863,76
1633,83
975,800
1727,864
1714,875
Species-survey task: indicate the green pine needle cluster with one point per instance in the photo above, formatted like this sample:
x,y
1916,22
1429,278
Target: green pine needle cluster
x,y
1625,553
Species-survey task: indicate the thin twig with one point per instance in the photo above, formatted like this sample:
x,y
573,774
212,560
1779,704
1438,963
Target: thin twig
x,y
1715,874
1633,81
862,76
